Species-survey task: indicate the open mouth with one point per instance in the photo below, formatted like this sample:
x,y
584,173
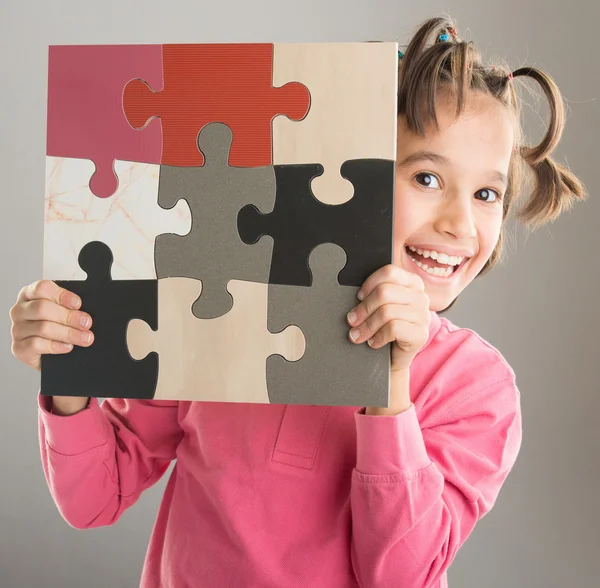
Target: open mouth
x,y
435,263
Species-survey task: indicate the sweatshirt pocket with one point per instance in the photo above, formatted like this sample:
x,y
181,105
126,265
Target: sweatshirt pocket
x,y
300,434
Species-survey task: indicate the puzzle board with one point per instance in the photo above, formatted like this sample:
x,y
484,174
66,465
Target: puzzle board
x,y
217,207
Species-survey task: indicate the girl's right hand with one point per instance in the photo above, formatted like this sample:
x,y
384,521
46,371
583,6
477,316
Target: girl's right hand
x,y
46,320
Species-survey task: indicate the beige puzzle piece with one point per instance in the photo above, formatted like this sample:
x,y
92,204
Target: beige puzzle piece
x,y
220,359
352,115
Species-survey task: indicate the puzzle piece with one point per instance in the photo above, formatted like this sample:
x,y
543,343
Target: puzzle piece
x,y
220,359
352,115
229,83
105,368
299,222
85,108
352,375
128,222
213,251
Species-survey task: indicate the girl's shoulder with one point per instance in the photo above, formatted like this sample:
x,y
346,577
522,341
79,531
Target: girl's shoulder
x,y
461,361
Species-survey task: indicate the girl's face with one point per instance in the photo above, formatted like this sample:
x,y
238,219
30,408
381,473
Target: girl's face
x,y
449,191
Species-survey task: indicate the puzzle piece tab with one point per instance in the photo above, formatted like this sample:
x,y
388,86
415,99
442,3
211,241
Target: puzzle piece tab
x,y
352,115
204,83
221,359
105,368
352,375
213,251
128,221
299,222
85,107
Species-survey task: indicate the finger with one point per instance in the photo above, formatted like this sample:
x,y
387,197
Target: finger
x,y
385,293
407,335
380,318
50,291
390,273
33,346
43,309
52,332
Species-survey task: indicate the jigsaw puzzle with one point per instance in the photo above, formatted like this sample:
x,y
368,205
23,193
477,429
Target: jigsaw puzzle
x,y
128,221
196,354
106,367
356,374
85,115
215,192
217,207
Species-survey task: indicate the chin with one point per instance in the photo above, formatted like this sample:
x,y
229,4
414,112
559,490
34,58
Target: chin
x,y
442,290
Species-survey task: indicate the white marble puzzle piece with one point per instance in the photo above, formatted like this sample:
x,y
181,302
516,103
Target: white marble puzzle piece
x,y
352,112
221,359
128,221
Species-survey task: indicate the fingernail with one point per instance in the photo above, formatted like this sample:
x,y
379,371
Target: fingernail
x,y
87,337
84,321
354,333
75,301
370,342
67,345
351,317
360,295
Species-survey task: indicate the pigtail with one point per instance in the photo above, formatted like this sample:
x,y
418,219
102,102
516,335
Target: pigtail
x,y
430,64
555,188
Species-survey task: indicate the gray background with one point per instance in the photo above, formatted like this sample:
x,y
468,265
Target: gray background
x,y
540,308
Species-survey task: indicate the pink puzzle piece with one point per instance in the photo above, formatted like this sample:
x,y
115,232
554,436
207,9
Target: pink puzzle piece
x,y
85,107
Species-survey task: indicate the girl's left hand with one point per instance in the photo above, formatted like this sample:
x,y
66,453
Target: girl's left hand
x,y
394,309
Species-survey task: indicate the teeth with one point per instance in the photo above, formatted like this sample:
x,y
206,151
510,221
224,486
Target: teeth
x,y
434,271
451,260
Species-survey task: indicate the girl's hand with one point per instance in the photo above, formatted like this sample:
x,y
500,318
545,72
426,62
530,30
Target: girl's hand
x,y
394,309
45,319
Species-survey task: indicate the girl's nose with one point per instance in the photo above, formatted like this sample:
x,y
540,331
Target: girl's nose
x,y
455,217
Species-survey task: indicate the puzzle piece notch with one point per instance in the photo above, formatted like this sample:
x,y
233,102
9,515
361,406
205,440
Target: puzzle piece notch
x,y
128,221
220,359
105,368
333,370
213,251
85,109
363,226
204,83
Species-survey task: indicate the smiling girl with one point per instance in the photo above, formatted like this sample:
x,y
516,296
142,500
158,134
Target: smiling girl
x,y
288,496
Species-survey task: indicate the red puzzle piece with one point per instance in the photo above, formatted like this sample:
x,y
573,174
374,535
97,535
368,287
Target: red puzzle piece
x,y
228,83
85,107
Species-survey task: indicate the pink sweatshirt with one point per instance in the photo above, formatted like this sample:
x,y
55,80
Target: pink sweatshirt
x,y
284,496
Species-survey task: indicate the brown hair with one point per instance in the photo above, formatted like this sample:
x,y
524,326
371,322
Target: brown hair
x,y
431,65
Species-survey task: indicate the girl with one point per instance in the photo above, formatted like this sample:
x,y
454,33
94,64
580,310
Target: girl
x,y
312,496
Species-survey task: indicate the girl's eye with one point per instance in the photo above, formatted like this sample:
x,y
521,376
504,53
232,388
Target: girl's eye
x,y
427,180
488,195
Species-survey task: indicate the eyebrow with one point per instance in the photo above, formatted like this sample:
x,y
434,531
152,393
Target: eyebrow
x,y
424,155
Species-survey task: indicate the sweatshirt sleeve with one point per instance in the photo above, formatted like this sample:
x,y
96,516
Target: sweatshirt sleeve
x,y
417,494
98,461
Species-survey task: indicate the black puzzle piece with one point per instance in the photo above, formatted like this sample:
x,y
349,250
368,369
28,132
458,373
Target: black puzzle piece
x,y
105,368
362,226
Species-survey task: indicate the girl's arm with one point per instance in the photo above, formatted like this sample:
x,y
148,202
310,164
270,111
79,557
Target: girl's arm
x,y
98,461
417,494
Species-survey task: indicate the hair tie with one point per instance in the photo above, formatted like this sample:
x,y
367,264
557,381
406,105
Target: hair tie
x,y
444,37
400,55
510,76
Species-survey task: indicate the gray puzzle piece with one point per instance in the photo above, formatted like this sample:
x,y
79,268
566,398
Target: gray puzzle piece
x,y
213,251
333,371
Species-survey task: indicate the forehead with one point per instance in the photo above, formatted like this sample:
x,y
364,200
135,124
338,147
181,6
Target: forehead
x,y
483,135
